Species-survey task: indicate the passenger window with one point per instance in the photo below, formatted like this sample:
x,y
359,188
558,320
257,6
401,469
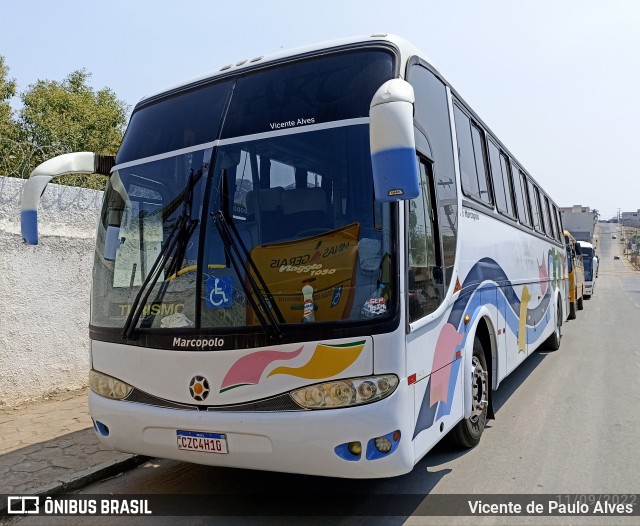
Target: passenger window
x,y
425,290
502,185
480,155
534,206
537,214
472,157
548,225
522,197
558,226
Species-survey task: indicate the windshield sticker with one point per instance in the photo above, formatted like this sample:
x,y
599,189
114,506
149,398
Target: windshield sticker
x,y
219,293
176,321
329,259
374,307
337,294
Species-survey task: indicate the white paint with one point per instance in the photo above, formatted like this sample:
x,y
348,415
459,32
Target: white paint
x,y
44,292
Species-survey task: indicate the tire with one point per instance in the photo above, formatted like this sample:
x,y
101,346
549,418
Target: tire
x,y
572,310
553,342
580,303
467,432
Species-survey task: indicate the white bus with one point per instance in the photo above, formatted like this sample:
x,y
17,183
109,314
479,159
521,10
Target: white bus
x,y
590,267
320,261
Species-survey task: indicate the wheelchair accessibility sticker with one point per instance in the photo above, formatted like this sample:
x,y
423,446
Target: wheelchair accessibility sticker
x,y
219,293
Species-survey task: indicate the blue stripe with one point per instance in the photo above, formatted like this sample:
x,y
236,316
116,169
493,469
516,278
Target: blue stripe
x,y
395,174
29,226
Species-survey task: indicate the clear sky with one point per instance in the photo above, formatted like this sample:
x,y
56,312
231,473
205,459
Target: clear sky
x,y
556,80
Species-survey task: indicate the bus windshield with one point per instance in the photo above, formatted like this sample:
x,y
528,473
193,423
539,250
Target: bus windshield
x,y
293,181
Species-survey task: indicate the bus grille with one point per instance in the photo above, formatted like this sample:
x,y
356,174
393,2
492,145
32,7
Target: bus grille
x,y
281,402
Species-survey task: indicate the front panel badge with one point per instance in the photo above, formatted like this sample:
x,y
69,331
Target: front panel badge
x,y
199,388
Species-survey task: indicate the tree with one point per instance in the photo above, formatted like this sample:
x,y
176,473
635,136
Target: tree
x,y
7,90
69,116
9,130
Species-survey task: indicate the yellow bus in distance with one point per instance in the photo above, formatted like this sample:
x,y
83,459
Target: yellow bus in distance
x,y
576,274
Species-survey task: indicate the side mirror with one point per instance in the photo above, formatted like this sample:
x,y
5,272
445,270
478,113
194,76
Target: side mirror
x,y
68,163
393,146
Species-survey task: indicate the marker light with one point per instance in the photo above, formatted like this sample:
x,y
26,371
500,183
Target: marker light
x,y
355,448
344,393
107,386
383,444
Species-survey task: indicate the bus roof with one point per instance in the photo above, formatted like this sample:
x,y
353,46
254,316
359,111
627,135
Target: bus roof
x,y
405,48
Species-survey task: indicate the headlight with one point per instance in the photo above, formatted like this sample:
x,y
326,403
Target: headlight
x,y
344,393
109,387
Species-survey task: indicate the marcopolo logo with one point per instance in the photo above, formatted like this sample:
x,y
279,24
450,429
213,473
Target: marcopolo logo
x,y
200,343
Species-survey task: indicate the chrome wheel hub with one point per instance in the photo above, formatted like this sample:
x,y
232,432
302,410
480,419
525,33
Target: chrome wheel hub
x,y
480,389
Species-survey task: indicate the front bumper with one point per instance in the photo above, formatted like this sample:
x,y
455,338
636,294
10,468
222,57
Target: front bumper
x,y
292,442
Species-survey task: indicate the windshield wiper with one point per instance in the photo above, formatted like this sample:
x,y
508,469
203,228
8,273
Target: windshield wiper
x,y
238,255
176,245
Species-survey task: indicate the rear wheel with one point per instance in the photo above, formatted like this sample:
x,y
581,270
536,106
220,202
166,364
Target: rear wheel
x,y
467,432
553,342
572,310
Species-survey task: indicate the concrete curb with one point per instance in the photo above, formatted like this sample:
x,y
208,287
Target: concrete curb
x,y
83,478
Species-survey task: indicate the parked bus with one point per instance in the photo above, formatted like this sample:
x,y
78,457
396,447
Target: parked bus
x,y
576,274
320,261
590,261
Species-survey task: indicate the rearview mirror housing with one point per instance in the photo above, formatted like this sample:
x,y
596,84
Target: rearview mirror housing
x,y
393,147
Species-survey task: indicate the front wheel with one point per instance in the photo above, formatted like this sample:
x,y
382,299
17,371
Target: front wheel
x,y
572,310
467,432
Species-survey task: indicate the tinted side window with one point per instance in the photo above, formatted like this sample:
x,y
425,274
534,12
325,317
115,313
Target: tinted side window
x,y
501,180
472,154
521,196
480,154
547,218
425,290
468,175
534,200
559,220
432,115
558,226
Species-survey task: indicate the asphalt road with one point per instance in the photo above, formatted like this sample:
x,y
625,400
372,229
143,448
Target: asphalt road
x,y
566,422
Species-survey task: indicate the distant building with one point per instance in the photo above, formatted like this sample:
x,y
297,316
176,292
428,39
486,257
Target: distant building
x,y
580,221
630,219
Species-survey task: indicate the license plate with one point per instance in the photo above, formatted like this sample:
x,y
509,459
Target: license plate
x,y
205,442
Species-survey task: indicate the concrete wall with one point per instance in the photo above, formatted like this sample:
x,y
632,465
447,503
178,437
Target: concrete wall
x,y
44,292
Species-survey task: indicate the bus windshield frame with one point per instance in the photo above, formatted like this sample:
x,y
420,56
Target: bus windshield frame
x,y
318,162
